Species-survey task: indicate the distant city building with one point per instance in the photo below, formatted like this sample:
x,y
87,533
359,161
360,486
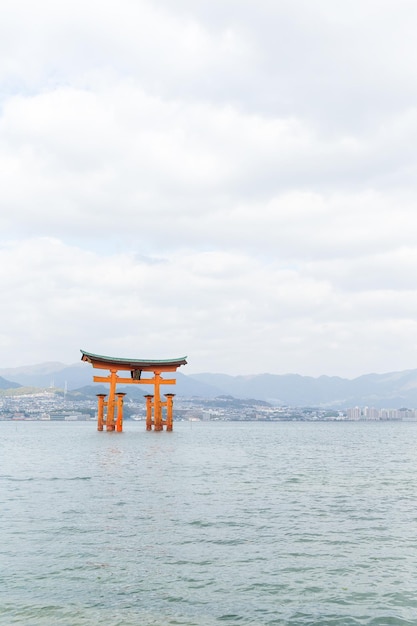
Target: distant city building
x,y
354,414
371,413
57,416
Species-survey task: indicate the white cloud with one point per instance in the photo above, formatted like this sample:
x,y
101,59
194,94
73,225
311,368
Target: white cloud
x,y
226,310
232,180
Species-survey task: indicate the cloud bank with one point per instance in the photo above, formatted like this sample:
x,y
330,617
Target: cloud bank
x,y
232,181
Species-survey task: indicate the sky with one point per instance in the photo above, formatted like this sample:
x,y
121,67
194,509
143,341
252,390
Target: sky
x,y
231,180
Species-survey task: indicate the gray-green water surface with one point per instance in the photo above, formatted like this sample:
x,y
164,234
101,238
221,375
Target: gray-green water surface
x,y
215,523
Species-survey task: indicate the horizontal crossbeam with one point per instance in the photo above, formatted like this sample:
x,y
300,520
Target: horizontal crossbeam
x,y
132,381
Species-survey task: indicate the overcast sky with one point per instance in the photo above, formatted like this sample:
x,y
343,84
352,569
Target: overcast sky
x,y
232,180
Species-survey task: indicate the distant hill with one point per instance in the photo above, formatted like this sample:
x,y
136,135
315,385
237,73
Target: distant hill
x,y
394,389
8,384
51,374
80,375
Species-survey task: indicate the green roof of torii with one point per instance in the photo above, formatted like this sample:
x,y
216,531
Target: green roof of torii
x,y
131,363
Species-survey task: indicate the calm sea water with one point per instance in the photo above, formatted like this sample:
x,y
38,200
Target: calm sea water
x,y
215,523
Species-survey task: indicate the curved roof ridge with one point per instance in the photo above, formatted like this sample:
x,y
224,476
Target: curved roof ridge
x,y
90,357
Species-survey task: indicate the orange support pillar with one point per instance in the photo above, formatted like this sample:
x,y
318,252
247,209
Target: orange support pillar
x,y
149,398
100,410
157,406
111,401
119,418
170,405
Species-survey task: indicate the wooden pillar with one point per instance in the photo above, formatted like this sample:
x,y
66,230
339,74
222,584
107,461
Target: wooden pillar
x,y
119,418
157,407
149,398
100,410
111,401
170,404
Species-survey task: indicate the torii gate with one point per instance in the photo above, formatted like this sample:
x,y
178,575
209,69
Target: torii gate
x,y
113,420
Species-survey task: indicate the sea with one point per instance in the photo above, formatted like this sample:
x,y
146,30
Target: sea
x,y
292,523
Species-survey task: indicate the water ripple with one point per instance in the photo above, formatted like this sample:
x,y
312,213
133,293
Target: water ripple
x,y
262,524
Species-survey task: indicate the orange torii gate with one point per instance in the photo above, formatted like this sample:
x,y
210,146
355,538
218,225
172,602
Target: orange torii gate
x,y
113,419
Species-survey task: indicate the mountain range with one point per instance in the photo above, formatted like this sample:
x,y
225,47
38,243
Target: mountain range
x,y
391,390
